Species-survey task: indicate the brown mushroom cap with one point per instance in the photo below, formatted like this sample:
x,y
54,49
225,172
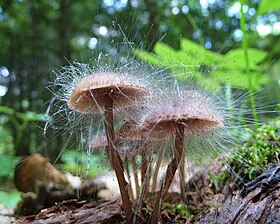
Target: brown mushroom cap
x,y
94,92
130,131
192,110
36,169
138,132
100,141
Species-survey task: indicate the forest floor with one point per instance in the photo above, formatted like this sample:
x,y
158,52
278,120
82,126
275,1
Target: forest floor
x,y
256,202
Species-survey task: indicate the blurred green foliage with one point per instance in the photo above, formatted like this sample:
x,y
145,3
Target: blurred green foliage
x,y
12,127
10,199
17,121
81,163
8,160
8,164
267,6
6,143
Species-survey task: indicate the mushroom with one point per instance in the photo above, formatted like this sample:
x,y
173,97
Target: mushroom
x,y
36,169
102,93
190,114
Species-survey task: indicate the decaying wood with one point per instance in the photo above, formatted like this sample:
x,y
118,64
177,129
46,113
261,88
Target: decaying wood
x,y
258,202
74,211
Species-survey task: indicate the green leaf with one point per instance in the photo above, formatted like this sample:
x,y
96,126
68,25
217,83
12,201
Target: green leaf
x,y
167,54
236,58
184,72
267,6
231,77
232,69
149,57
237,78
209,83
209,69
197,54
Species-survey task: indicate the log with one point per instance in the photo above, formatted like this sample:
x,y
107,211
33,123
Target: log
x,y
258,202
74,211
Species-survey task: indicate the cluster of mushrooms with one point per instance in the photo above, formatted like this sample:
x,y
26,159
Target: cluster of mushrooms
x,y
175,117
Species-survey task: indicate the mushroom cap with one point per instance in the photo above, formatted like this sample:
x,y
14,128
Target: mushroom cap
x,y
97,90
137,132
192,110
130,131
101,141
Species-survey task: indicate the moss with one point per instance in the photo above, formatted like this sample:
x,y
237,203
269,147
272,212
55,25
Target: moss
x,y
180,209
258,153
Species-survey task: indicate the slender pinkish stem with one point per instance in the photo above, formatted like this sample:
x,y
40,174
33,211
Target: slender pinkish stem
x,y
146,176
129,179
170,172
155,175
136,178
116,163
146,183
144,164
183,178
144,190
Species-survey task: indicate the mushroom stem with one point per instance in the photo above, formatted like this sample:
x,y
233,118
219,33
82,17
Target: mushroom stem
x,y
144,190
146,179
136,178
182,178
144,164
129,179
146,183
170,172
116,162
155,175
